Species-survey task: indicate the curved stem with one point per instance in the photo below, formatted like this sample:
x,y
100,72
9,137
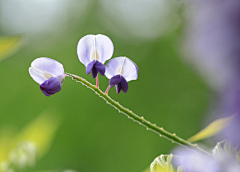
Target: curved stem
x,y
150,126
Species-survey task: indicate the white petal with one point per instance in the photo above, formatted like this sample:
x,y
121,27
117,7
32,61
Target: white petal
x,y
37,76
43,68
94,47
122,66
104,47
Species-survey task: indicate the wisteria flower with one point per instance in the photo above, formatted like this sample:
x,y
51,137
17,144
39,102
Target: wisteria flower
x,y
48,73
225,159
120,71
93,51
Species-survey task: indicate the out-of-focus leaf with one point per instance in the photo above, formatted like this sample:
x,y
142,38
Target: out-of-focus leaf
x,y
9,45
162,163
212,129
6,140
49,171
57,171
41,131
146,170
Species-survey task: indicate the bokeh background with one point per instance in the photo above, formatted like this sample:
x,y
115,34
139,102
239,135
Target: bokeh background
x,y
92,136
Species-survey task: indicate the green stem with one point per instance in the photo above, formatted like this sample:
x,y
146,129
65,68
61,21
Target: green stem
x,y
160,131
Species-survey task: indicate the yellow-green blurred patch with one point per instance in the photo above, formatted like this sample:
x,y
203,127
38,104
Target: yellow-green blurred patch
x,y
212,129
40,132
9,45
163,163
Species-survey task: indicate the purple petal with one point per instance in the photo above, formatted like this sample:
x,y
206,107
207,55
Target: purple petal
x,y
120,83
89,67
118,88
51,86
124,85
100,68
95,67
94,47
115,80
122,66
195,161
94,72
43,68
231,132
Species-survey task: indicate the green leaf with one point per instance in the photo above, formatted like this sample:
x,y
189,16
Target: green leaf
x,y
212,129
9,45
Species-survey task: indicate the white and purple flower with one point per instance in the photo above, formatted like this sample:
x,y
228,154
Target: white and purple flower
x,y
120,71
48,73
93,51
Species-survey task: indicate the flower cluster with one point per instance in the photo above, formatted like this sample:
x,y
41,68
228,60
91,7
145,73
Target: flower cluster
x,y
93,51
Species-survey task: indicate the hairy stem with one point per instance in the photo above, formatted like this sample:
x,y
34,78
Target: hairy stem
x,y
150,126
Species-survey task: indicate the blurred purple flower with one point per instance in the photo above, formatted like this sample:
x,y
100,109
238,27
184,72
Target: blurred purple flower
x,y
48,73
224,159
194,162
213,41
120,71
93,51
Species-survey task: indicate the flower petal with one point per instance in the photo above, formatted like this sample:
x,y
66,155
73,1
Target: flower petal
x,y
120,83
43,68
51,86
95,67
115,80
124,85
37,76
118,88
94,47
100,67
122,66
94,72
104,48
89,67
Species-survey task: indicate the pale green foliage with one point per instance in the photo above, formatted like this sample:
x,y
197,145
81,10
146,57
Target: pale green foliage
x,y
162,164
212,129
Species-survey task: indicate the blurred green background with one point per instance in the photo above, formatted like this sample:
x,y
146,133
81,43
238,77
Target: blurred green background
x,y
92,135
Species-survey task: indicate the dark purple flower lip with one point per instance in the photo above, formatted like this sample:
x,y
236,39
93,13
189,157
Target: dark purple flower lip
x,y
51,86
94,67
120,83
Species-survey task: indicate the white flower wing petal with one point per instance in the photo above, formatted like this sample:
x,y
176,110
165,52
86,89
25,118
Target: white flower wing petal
x,y
37,76
104,48
129,70
43,68
114,67
86,48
